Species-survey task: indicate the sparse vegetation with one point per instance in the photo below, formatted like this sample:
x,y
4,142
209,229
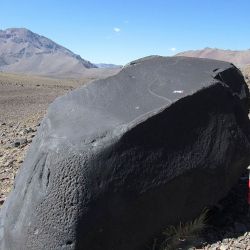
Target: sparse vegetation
x,y
183,235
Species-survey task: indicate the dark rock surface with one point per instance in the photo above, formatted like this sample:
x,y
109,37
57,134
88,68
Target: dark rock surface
x,y
118,160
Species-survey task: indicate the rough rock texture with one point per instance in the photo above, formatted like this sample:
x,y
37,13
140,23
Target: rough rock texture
x,y
118,160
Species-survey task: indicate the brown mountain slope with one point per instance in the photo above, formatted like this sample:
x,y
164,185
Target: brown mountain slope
x,y
241,58
23,51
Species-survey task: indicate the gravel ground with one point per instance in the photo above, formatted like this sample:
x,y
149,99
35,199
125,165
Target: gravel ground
x,y
229,222
23,105
15,139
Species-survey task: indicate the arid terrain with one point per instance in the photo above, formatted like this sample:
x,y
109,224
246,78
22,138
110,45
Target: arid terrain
x,y
24,100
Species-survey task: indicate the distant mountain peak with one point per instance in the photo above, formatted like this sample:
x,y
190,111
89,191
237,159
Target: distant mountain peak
x,y
24,51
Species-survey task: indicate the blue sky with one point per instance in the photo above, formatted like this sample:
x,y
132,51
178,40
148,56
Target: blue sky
x,y
119,31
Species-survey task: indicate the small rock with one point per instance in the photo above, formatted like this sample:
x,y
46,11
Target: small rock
x,y
23,132
7,163
223,247
27,131
239,245
3,124
4,179
19,142
2,200
214,248
240,239
225,241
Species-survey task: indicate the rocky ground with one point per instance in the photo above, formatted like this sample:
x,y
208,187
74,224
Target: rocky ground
x,y
228,226
22,108
15,139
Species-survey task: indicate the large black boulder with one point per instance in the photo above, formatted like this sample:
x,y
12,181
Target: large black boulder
x,y
116,161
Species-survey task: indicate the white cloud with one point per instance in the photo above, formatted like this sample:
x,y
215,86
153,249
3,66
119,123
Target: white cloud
x,y
173,49
117,29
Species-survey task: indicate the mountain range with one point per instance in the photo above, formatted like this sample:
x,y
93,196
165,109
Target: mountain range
x,y
22,51
240,58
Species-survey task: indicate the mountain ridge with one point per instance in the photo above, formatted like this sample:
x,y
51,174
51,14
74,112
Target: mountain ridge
x,y
23,51
241,58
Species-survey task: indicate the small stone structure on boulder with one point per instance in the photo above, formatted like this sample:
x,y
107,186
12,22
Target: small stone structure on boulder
x,y
117,160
